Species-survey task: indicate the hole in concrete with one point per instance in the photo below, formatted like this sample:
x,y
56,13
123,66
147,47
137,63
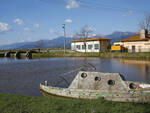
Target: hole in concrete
x,y
97,78
132,86
117,95
83,75
111,82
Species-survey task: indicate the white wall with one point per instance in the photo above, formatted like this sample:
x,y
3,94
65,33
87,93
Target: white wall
x,y
74,45
140,46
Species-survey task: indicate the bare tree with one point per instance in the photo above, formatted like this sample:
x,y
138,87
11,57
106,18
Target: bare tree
x,y
145,24
84,34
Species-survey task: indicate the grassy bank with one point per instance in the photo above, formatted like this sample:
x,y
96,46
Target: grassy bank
x,y
102,55
26,104
79,54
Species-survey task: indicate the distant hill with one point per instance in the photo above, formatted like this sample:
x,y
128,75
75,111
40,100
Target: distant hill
x,y
54,43
118,35
59,42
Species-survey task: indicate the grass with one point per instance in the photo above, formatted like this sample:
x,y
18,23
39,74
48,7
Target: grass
x,y
101,55
26,104
88,54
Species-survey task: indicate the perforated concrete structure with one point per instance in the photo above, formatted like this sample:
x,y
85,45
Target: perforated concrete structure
x,y
99,81
93,85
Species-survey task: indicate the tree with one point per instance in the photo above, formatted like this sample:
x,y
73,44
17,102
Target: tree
x,y
84,34
145,24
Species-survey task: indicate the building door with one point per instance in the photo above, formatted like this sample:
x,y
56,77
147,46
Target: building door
x,y
139,49
133,48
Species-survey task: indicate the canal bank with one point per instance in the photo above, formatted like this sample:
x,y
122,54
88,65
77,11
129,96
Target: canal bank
x,y
60,53
100,55
27,104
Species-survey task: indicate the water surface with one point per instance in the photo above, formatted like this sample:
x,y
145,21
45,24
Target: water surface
x,y
24,76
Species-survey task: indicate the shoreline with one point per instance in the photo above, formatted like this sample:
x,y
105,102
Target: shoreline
x,y
61,54
145,56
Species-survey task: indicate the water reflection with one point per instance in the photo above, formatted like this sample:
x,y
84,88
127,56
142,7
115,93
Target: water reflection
x,y
23,76
142,65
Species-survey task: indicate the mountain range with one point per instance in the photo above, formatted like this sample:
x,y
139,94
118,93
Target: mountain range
x,y
59,41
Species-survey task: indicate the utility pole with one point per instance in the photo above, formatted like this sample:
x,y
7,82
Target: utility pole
x,y
63,26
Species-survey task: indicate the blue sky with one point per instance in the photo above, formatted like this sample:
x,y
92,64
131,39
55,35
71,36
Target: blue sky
x,y
32,20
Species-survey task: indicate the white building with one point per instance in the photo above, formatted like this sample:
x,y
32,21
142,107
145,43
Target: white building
x,y
137,43
98,44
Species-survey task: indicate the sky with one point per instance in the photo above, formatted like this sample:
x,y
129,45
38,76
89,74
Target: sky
x,y
32,20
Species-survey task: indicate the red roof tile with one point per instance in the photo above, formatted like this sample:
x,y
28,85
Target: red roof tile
x,y
136,38
90,39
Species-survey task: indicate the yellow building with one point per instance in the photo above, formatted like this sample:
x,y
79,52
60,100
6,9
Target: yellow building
x,y
137,43
119,48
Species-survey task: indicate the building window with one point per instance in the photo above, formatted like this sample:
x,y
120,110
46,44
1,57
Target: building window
x,y
90,46
72,47
96,46
83,47
78,47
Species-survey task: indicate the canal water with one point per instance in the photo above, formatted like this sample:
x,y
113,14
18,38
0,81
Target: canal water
x,y
23,76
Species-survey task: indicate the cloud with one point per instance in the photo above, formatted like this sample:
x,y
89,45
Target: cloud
x,y
18,21
26,40
29,39
92,35
4,27
54,32
51,31
22,41
131,12
36,25
124,15
27,29
72,4
68,21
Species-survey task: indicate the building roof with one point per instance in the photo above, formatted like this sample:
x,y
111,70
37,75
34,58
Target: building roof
x,y
91,39
136,38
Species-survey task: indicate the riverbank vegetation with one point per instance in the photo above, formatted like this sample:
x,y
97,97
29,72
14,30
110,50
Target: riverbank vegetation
x,y
60,53
26,104
101,55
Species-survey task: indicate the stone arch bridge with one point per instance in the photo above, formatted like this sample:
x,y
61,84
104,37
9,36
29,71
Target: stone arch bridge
x,y
18,54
